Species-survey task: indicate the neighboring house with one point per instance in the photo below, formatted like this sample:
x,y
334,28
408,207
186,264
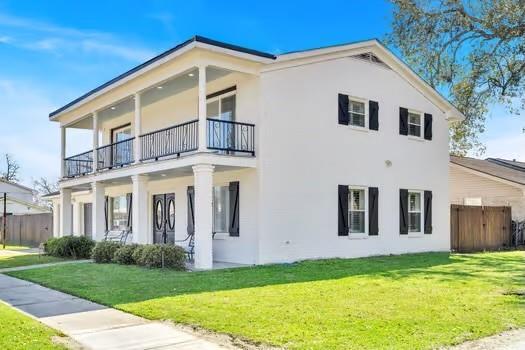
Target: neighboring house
x,y
488,182
20,200
333,152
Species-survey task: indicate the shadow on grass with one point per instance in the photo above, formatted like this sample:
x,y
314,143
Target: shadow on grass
x,y
25,260
112,284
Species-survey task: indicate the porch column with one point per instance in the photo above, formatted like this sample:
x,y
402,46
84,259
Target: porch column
x,y
202,109
138,129
62,151
99,211
66,220
139,210
56,217
95,141
203,178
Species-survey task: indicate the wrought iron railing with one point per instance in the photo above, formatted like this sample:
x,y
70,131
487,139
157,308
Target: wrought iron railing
x,y
78,165
115,155
231,136
170,141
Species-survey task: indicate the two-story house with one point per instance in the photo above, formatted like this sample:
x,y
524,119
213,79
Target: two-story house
x,y
332,152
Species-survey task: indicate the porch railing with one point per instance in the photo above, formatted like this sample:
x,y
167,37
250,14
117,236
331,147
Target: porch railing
x,y
78,165
115,155
231,136
170,141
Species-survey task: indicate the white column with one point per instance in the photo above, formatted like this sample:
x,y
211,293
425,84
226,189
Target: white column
x,y
77,218
138,129
203,177
62,151
139,210
66,220
56,218
95,141
202,109
98,214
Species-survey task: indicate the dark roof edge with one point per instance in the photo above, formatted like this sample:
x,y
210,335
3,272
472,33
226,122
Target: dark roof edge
x,y
505,164
196,38
486,173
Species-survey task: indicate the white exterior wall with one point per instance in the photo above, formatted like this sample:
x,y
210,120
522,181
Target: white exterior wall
x,y
465,184
304,154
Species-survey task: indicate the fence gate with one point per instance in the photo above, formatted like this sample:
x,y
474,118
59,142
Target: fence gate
x,y
477,228
28,230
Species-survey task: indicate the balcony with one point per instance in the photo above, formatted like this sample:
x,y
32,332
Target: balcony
x,y
224,137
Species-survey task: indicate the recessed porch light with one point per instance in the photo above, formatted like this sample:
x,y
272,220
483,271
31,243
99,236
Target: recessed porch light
x,y
113,108
191,75
159,87
163,175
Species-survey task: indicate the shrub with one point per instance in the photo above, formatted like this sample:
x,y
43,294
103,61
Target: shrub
x,y
161,255
124,254
137,253
77,247
104,251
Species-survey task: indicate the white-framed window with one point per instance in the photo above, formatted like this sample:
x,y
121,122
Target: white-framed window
x,y
415,211
357,112
119,212
357,210
222,107
414,123
221,209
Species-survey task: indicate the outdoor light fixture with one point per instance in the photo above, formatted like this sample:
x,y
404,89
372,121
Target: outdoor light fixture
x,y
191,74
113,107
159,87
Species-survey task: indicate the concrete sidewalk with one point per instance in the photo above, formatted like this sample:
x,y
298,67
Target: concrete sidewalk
x,y
95,326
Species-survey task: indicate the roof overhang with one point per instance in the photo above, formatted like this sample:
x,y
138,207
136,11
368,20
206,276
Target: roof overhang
x,y
486,175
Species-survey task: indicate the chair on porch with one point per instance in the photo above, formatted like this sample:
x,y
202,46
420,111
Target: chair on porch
x,y
119,236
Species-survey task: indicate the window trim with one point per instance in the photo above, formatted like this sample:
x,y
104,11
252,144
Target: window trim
x,y
421,231
111,211
421,124
119,128
358,234
220,97
366,115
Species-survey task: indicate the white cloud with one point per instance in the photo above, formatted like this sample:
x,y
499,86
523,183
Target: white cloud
x,y
32,34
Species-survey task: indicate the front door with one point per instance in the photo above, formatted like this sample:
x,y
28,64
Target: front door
x,y
164,218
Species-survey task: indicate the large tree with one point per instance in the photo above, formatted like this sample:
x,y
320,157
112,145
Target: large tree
x,y
472,51
10,169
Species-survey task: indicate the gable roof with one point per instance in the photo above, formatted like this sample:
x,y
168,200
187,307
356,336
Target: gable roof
x,y
25,203
377,49
501,168
22,187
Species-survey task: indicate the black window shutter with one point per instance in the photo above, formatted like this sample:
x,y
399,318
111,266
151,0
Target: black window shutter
x,y
373,115
428,126
129,202
403,121
106,212
234,208
343,210
191,213
344,116
373,210
428,211
403,211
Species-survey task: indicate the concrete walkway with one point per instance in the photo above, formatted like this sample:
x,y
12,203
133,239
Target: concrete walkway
x,y
511,340
95,326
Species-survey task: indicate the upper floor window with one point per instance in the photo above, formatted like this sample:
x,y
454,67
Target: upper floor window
x,y
121,133
414,124
357,113
414,212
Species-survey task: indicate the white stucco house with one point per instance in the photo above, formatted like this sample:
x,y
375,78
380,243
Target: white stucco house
x,y
332,152
20,199
488,182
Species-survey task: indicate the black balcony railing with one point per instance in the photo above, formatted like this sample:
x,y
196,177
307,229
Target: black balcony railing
x,y
115,155
79,165
170,141
231,136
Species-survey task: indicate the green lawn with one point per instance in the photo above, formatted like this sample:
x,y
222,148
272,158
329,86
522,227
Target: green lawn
x,y
417,301
21,332
25,260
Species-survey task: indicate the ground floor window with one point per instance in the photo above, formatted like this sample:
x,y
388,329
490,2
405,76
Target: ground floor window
x,y
119,212
221,208
357,209
414,211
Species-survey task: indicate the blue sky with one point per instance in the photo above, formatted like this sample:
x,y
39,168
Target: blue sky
x,y
53,51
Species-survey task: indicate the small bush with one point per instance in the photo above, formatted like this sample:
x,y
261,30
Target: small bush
x,y
124,254
76,247
137,253
104,251
161,255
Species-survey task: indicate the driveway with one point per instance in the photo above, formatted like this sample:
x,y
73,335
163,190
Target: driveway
x,y
95,326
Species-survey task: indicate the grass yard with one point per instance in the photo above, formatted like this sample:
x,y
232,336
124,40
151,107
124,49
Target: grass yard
x,y
15,260
416,301
18,331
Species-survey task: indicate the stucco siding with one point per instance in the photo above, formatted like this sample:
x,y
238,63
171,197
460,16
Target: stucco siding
x,y
465,184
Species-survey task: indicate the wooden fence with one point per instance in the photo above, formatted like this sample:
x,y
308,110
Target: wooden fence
x,y
477,228
28,230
